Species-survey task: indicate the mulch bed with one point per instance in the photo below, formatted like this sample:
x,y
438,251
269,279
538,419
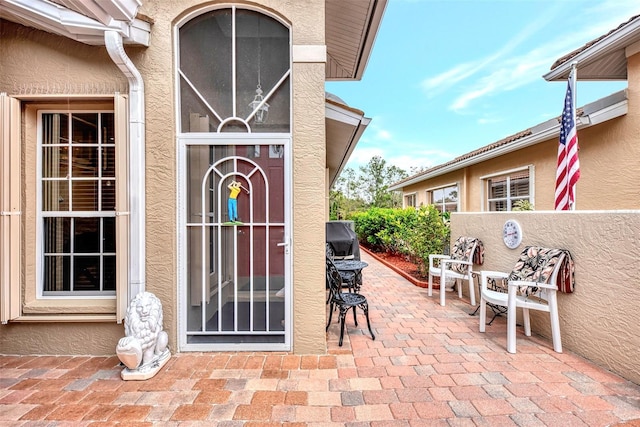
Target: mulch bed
x,y
404,267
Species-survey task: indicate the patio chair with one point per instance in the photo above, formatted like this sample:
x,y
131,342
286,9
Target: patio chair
x,y
458,266
349,278
344,301
532,285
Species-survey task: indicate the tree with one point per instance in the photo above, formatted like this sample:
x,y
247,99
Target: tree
x,y
345,197
368,188
375,178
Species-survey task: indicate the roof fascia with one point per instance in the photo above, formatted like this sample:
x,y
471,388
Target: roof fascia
x,y
344,114
357,134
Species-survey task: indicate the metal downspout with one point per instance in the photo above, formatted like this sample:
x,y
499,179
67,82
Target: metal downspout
x,y
114,45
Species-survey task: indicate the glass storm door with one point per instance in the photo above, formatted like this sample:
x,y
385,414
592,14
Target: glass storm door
x,y
236,293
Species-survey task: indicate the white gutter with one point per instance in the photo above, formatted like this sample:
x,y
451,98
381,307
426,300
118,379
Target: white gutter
x,y
58,19
137,256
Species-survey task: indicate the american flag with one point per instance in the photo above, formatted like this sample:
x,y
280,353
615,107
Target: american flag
x,y
568,171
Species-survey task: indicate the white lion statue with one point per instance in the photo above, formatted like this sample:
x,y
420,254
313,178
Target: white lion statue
x,y
144,349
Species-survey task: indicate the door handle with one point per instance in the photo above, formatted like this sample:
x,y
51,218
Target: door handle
x,y
286,246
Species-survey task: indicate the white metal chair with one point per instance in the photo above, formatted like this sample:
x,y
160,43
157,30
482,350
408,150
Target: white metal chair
x,y
532,285
457,266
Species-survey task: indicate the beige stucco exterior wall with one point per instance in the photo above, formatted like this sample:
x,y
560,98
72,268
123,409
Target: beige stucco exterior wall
x,y
55,64
609,154
38,63
599,320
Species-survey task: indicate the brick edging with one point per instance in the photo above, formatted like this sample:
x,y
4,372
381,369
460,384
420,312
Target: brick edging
x,y
410,278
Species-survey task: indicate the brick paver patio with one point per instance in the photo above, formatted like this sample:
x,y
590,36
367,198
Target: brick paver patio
x,y
429,366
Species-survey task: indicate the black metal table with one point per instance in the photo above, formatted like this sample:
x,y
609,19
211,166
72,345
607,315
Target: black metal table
x,y
353,265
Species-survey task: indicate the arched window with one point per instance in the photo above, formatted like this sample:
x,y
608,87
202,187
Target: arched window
x,y
234,73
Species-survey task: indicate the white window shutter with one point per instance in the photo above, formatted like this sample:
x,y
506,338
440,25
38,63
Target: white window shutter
x,y
122,205
10,200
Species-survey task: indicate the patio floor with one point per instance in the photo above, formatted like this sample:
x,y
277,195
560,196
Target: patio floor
x,y
429,366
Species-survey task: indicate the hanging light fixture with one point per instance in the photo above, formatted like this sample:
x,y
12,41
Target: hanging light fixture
x,y
258,106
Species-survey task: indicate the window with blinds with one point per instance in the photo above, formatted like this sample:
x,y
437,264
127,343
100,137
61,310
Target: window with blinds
x,y
66,256
504,190
78,182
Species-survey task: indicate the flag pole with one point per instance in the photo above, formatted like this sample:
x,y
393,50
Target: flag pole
x,y
573,76
568,167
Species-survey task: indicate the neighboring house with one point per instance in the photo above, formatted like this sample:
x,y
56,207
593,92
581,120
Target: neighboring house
x,y
122,124
523,166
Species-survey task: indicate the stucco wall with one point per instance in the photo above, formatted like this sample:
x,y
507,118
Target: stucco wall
x,y
37,62
599,320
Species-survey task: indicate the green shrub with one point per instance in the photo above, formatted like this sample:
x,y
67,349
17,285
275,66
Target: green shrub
x,y
522,205
414,233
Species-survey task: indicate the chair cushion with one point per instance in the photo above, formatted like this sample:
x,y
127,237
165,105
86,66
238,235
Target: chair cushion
x,y
537,264
467,249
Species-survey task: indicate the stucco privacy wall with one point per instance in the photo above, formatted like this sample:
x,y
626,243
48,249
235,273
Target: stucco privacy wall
x,y
59,63
599,320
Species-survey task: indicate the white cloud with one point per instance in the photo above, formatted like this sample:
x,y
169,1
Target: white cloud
x,y
444,81
384,135
460,72
487,121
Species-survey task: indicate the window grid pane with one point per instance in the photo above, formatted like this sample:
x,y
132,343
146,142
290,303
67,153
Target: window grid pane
x,y
445,199
78,203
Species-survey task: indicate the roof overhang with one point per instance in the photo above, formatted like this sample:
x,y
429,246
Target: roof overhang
x,y
610,107
344,127
604,58
84,21
351,28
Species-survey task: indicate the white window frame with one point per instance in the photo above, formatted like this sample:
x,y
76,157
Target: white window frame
x,y
429,194
410,196
67,213
484,194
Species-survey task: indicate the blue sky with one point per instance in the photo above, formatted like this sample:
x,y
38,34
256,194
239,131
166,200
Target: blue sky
x,y
448,76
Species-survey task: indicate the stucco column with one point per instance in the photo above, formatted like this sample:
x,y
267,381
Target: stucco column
x,y
309,163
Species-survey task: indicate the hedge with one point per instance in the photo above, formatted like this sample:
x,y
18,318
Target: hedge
x,y
413,232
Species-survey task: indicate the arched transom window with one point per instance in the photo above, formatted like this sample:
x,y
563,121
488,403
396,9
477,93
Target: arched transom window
x,y
234,73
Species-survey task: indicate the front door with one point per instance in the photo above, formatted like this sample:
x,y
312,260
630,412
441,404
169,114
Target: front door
x,y
235,293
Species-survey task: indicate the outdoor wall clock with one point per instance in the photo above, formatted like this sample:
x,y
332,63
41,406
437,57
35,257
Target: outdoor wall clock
x,y
512,234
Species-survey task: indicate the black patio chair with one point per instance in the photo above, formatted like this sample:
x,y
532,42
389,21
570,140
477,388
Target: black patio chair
x,y
344,301
349,278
